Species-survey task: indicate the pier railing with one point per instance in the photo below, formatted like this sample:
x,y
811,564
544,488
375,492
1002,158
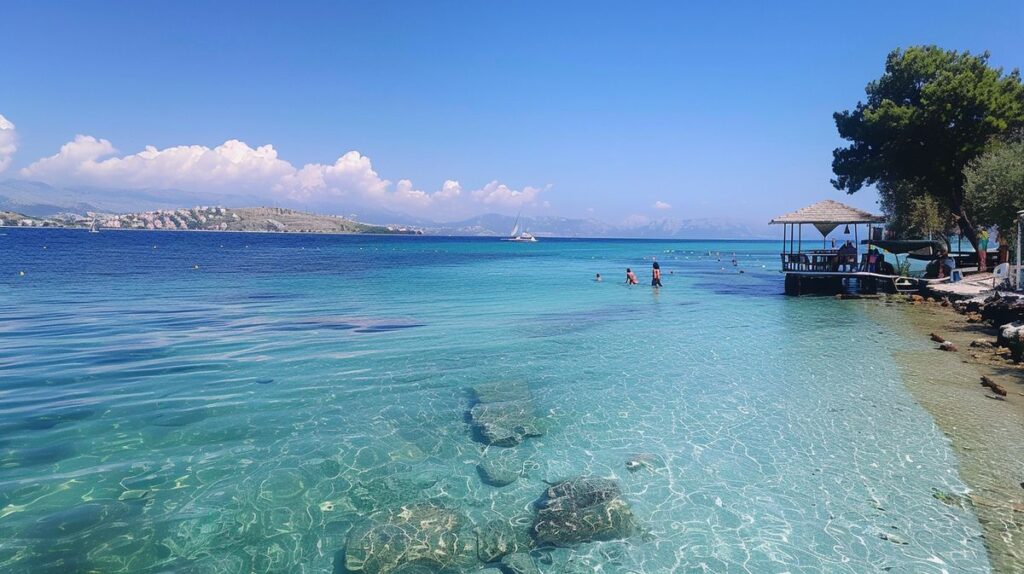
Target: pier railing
x,y
823,260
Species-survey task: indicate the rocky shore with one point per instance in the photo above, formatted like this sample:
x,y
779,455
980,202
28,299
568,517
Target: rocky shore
x,y
962,363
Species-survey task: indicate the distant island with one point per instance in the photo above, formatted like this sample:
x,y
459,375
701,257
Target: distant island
x,y
38,201
254,219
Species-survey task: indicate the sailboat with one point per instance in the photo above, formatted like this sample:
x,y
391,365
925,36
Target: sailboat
x,y
523,237
92,227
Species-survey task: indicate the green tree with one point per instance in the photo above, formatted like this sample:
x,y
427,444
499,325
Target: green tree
x,y
995,186
926,118
927,217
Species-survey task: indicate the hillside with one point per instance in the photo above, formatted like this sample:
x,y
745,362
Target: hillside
x,y
274,219
269,219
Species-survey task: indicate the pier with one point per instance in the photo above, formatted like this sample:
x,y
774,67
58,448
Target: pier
x,y
829,269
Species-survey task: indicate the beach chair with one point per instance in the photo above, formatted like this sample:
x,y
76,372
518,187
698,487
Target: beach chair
x,y
1000,273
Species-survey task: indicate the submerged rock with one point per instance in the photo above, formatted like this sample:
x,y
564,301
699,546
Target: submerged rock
x,y
892,538
420,538
583,510
519,563
948,498
499,537
417,568
642,461
503,414
500,470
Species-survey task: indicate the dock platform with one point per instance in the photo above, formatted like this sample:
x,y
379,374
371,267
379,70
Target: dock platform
x,y
971,286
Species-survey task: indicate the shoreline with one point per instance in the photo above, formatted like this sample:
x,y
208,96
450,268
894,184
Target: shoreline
x,y
260,231
986,434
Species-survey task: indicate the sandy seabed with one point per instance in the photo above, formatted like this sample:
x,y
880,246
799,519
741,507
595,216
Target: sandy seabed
x,y
986,434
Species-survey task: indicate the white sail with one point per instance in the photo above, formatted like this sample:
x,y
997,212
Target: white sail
x,y
515,228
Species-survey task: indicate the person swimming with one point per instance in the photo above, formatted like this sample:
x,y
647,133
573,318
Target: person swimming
x,y
597,277
630,277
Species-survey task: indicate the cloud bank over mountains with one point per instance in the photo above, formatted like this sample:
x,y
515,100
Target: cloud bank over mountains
x,y
90,173
8,142
235,167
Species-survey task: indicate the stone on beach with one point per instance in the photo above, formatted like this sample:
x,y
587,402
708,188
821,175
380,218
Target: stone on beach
x,y
418,538
583,510
1011,336
503,414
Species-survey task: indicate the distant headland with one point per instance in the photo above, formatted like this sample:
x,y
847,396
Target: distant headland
x,y
204,218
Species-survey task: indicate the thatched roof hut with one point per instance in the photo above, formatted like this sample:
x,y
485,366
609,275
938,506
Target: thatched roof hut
x,y
827,215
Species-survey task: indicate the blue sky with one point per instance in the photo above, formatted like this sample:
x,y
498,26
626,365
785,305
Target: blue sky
x,y
576,109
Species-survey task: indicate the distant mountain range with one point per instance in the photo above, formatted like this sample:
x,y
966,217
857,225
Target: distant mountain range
x,y
495,224
42,200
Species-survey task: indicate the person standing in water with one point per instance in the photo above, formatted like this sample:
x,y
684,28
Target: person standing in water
x,y
655,273
630,277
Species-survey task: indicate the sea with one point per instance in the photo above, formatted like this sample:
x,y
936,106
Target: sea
x,y
247,402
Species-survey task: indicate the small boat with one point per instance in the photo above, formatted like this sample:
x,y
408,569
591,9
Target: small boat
x,y
523,237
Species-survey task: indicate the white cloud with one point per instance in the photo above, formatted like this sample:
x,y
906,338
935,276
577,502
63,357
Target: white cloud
x,y
499,194
234,166
662,205
352,173
8,142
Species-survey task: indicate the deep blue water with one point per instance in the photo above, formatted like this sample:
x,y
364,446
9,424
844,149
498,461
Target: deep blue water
x,y
222,402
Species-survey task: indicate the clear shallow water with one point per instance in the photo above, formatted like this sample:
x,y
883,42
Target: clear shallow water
x,y
243,416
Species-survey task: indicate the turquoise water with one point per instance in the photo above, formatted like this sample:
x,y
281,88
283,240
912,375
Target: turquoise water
x,y
245,415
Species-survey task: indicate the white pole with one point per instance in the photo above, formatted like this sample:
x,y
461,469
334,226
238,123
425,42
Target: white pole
x,y
1016,275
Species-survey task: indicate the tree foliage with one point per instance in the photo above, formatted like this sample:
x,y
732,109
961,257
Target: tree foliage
x,y
927,217
995,185
915,214
925,119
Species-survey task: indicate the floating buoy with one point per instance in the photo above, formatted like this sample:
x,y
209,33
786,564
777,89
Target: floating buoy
x,y
21,273
195,267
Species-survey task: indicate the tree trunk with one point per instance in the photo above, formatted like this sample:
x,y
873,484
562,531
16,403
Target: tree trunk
x,y
967,228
